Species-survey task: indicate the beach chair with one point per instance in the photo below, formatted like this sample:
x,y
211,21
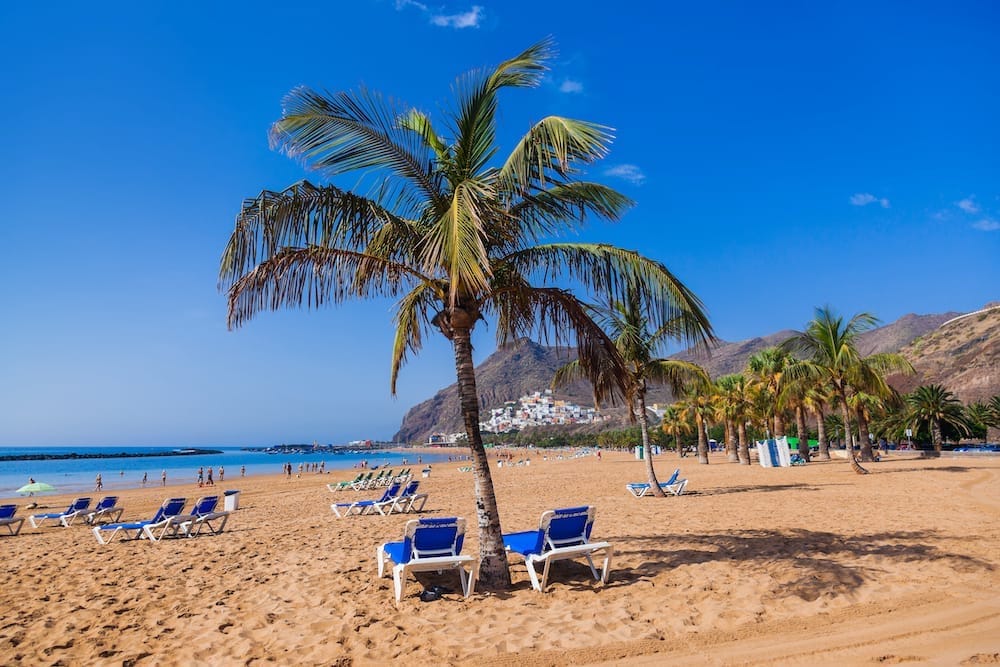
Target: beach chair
x,y
170,508
408,499
106,509
429,545
362,483
8,520
345,484
672,485
366,506
203,515
563,534
77,508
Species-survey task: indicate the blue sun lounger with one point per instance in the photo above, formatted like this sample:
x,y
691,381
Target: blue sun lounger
x,y
408,499
107,509
8,519
366,506
170,508
77,508
672,485
563,534
429,545
202,514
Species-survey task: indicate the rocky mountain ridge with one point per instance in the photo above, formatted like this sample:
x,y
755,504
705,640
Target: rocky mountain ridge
x,y
962,357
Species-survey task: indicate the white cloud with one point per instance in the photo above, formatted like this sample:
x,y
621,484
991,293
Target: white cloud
x,y
400,4
865,198
629,172
986,225
571,86
969,205
469,19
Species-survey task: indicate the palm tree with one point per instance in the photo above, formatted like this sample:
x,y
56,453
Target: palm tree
x,y
626,324
452,230
675,423
979,416
816,399
794,393
934,405
766,367
697,407
734,396
829,346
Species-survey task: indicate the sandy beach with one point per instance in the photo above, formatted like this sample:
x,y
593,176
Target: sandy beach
x,y
752,566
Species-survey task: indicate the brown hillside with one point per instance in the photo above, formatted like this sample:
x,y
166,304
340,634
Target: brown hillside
x,y
525,367
963,356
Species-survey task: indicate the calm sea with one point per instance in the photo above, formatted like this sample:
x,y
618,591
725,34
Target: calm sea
x,y
78,475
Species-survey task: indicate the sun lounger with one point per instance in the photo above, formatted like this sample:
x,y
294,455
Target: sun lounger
x,y
672,485
346,484
429,545
203,514
77,508
408,500
362,483
8,520
563,534
366,506
170,508
106,510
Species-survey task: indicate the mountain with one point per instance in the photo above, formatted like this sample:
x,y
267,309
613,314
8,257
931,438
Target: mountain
x,y
963,356
525,367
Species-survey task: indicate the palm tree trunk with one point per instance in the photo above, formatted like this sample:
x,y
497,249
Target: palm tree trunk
x,y
702,439
824,444
800,424
742,444
936,435
493,573
866,443
731,445
677,441
846,414
779,424
639,410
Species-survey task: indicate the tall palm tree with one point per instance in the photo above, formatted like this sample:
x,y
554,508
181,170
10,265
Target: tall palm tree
x,y
451,229
734,396
934,405
637,342
794,393
979,415
829,346
816,400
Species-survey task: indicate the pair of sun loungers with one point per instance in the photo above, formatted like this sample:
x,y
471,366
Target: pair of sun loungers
x,y
396,498
370,481
673,485
106,510
170,520
435,544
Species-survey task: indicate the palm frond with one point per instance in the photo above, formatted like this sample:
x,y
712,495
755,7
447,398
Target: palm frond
x,y
349,131
411,321
564,206
548,151
454,245
312,277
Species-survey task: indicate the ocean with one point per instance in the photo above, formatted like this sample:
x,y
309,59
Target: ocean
x,y
78,475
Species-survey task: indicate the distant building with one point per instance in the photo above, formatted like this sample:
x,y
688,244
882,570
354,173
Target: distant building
x,y
537,409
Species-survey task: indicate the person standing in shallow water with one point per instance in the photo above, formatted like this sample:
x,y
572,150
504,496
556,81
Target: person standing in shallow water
x,y
100,483
163,478
222,474
243,471
209,481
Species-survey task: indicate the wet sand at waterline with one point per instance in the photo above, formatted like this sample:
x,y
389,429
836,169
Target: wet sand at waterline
x,y
805,565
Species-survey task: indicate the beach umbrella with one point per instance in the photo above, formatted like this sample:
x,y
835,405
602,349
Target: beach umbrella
x,y
36,487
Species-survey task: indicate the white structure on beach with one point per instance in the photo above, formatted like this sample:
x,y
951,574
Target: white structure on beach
x,y
537,409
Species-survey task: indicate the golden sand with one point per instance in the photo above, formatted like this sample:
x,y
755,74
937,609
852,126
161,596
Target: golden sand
x,y
806,565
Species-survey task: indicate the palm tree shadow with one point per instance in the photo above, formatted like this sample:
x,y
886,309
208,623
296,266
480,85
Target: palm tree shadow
x,y
815,560
722,490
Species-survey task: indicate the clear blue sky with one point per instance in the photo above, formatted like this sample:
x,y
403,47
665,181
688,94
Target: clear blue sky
x,y
782,157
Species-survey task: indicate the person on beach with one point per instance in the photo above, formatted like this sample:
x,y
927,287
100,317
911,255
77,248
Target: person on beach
x,y
163,478
100,483
243,471
209,481
222,473
201,476
145,478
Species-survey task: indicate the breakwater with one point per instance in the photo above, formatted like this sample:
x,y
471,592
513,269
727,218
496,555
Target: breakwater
x,y
105,455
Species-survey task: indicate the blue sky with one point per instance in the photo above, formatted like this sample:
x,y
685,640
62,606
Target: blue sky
x,y
781,158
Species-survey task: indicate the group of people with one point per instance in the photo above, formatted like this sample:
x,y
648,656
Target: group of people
x,y
203,481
